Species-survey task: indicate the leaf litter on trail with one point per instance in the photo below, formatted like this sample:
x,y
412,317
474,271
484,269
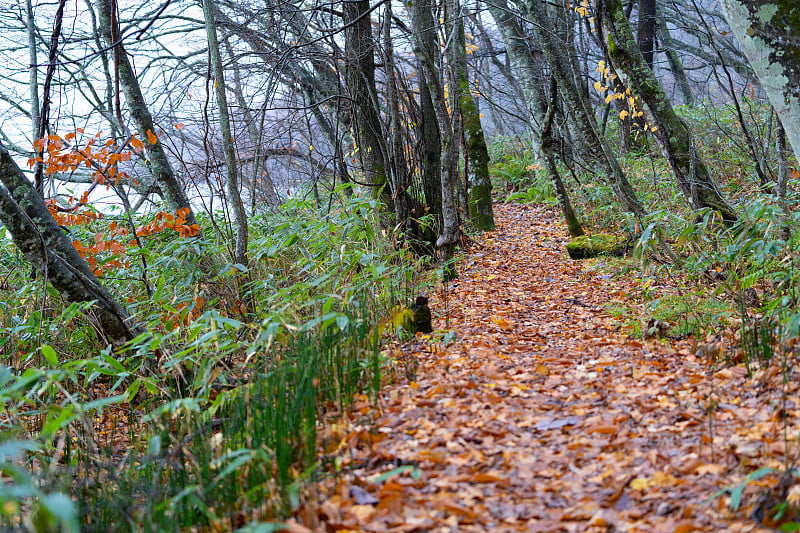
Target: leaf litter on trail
x,y
541,417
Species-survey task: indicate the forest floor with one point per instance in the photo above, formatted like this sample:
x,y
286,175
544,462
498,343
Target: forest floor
x,y
541,416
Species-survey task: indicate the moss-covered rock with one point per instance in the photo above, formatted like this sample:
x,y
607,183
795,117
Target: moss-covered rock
x,y
587,246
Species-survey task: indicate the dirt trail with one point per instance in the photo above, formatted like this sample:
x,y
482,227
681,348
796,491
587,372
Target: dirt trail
x,y
539,417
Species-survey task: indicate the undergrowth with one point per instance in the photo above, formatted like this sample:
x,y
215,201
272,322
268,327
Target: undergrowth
x,y
212,418
694,277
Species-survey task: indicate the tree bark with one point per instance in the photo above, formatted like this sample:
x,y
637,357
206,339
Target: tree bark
x,y
33,83
623,112
547,141
673,136
783,180
401,180
783,165
675,63
767,31
172,190
424,44
370,137
476,157
581,109
492,54
46,246
231,165
106,107
646,31
523,61
44,115
431,151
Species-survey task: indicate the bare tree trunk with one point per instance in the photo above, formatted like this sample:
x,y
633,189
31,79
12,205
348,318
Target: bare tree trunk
x,y
514,87
623,110
547,141
523,61
107,107
431,150
673,136
232,178
783,179
360,49
675,63
173,191
33,84
767,31
401,181
41,240
424,44
44,115
646,31
581,109
476,157
783,163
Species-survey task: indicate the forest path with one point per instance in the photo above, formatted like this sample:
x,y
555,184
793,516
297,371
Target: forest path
x,y
539,417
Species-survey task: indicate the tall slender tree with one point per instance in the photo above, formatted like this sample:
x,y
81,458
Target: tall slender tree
x,y
400,178
360,70
476,155
580,107
424,43
674,60
231,165
673,135
160,166
430,148
646,30
523,61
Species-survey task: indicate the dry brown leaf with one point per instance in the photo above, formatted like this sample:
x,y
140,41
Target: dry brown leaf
x,y
603,429
486,478
542,415
292,526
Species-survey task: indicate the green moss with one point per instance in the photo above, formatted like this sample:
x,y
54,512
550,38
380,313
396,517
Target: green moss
x,y
480,193
480,211
587,246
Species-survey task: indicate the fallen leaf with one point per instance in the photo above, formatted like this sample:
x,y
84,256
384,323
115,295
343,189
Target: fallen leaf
x,y
292,526
362,497
555,423
486,478
602,428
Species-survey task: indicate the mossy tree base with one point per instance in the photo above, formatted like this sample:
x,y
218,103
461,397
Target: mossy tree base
x,y
587,246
